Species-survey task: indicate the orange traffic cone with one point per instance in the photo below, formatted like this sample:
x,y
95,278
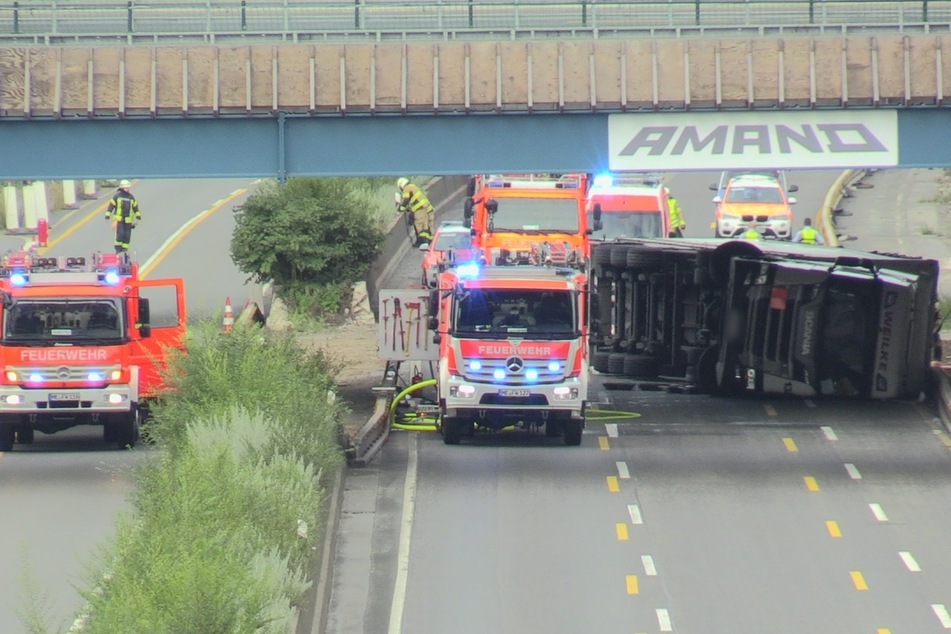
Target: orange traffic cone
x,y
228,321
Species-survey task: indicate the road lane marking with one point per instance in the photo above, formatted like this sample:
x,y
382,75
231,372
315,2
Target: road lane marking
x,y
663,619
883,630
183,231
635,512
811,483
603,443
632,584
621,530
878,512
611,429
829,433
790,445
809,402
622,471
942,613
853,471
858,580
612,484
649,568
770,410
909,561
406,530
833,528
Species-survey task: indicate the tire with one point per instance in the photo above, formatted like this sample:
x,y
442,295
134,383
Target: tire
x,y
552,428
451,431
602,255
642,259
8,435
127,430
619,255
616,363
573,431
25,435
640,365
599,361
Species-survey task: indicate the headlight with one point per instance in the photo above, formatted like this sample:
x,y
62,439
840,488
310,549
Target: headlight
x,y
115,375
117,398
565,393
12,375
461,391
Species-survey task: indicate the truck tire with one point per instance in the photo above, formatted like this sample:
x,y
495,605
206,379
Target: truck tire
x,y
619,255
599,360
25,434
552,427
573,430
616,363
451,431
602,255
640,365
127,430
642,259
8,435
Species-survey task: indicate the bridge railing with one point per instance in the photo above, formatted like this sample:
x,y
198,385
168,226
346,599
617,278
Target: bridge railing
x,y
65,20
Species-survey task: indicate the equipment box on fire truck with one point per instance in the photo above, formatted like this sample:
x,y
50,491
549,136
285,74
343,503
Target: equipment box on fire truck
x,y
512,348
764,316
77,346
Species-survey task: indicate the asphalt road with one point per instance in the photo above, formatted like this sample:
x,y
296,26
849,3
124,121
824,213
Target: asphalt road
x,y
679,513
60,496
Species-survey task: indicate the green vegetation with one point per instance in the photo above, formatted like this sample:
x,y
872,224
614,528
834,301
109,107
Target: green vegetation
x,y
313,238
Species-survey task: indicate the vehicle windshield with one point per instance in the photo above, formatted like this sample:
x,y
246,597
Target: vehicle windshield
x,y
453,240
490,312
527,215
78,321
628,224
848,325
769,195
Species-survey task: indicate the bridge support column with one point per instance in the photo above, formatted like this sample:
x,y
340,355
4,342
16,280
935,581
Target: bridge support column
x,y
69,194
29,207
11,207
89,189
41,204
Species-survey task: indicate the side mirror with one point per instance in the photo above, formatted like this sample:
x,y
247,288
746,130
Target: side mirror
x,y
792,200
793,188
433,323
471,187
598,225
714,187
468,208
718,199
433,307
145,329
492,206
8,301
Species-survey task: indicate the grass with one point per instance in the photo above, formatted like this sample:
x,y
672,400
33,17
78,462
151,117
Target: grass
x,y
927,230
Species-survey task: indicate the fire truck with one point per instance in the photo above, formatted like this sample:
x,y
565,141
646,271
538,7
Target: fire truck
x,y
508,214
78,347
512,347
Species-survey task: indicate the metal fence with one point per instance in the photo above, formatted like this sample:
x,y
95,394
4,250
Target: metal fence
x,y
65,21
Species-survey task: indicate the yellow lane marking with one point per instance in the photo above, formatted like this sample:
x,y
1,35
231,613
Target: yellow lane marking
x,y
858,580
811,484
603,442
632,584
613,485
610,414
187,228
833,527
790,445
770,410
621,529
883,630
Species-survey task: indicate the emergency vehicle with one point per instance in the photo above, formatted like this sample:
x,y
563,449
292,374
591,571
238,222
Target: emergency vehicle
x,y
760,197
508,214
512,348
77,346
630,206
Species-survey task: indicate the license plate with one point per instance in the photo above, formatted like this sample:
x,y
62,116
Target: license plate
x,y
515,393
64,396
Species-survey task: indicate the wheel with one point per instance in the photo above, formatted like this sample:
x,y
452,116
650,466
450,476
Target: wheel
x,y
642,259
127,430
619,255
451,431
573,429
640,365
552,428
601,255
8,434
599,360
25,435
109,432
616,363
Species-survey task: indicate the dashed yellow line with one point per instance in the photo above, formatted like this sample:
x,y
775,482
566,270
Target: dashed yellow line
x,y
811,483
790,445
632,587
603,443
621,529
770,410
883,630
834,530
858,580
613,486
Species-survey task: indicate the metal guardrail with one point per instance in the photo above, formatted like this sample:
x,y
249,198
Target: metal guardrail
x,y
63,21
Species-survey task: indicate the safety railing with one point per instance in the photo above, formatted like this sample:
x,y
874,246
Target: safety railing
x,y
65,20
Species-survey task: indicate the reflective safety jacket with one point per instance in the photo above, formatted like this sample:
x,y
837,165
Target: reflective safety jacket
x,y
123,208
413,199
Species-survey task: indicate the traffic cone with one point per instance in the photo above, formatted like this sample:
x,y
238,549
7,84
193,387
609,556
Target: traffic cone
x,y
228,321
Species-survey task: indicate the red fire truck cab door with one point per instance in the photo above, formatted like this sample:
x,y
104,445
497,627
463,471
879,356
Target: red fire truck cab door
x,y
166,300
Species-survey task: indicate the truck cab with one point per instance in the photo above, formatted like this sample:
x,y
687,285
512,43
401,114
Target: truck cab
x,y
628,206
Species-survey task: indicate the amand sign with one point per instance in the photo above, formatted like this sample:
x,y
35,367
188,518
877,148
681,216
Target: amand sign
x,y
746,140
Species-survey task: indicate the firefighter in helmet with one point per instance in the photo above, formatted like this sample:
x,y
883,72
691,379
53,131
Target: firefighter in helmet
x,y
412,199
124,213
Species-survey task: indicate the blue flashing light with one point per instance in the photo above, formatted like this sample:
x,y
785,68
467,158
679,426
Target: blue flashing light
x,y
18,279
469,270
531,374
553,366
499,374
603,180
112,277
475,364
94,376
36,377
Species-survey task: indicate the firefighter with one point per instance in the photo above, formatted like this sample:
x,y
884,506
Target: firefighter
x,y
677,224
412,199
808,235
751,233
124,213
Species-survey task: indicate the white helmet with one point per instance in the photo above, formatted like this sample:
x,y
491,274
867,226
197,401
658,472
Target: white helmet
x,y
124,184
402,182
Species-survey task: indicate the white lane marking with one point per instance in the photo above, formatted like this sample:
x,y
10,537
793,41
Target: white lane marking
x,y
828,433
909,561
809,402
611,429
853,471
942,613
635,512
622,471
406,530
663,618
878,512
649,569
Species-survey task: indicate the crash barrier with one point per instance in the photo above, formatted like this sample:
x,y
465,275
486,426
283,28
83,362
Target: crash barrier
x,y
376,430
825,218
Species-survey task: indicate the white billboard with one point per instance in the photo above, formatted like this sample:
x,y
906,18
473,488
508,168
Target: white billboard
x,y
753,140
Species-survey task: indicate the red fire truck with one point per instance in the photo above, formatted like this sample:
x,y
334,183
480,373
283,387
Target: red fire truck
x,y
77,346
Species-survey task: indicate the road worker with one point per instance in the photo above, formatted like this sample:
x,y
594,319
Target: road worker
x,y
808,235
751,233
124,213
412,199
677,224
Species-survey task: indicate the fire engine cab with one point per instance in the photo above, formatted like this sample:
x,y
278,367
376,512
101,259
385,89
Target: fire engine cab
x,y
77,346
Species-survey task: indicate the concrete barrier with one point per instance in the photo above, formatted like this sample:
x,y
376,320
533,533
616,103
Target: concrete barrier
x,y
825,218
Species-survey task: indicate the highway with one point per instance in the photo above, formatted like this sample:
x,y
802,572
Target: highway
x,y
61,495
679,513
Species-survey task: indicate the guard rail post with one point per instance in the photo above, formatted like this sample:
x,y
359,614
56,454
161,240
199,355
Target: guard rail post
x,y
244,15
16,18
128,24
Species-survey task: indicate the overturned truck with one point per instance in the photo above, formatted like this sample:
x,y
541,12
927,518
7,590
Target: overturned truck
x,y
728,317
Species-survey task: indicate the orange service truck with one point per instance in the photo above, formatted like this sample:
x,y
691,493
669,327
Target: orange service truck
x,y
77,346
